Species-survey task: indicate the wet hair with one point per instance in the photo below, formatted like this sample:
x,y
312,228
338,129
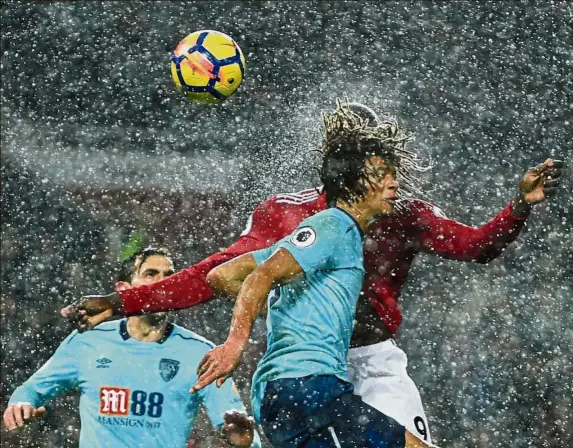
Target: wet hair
x,y
352,134
130,265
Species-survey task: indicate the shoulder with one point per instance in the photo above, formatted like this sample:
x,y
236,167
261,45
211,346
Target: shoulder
x,y
190,338
330,218
310,198
103,330
327,223
297,198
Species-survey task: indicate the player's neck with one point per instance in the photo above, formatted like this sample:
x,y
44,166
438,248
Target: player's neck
x,y
144,329
363,215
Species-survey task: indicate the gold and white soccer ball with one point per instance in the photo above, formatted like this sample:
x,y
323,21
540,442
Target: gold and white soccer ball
x,y
207,66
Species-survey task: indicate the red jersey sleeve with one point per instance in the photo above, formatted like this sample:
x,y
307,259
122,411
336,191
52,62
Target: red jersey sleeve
x,y
454,240
188,287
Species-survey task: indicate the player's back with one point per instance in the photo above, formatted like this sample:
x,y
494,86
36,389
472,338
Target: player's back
x,y
310,320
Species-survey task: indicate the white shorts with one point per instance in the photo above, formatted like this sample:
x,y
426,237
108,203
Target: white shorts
x,y
378,374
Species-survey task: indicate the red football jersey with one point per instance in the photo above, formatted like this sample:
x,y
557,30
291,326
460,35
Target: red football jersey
x,y
389,249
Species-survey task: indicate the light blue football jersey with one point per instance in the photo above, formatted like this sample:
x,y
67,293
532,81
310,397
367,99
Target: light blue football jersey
x,y
310,320
133,393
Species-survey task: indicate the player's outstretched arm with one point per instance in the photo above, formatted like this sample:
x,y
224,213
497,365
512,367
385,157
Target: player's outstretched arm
x,y
183,289
220,362
453,240
18,414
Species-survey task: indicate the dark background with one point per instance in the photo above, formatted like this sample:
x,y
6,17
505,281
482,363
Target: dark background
x,y
97,145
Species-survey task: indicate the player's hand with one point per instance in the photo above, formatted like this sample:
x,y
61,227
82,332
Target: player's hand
x,y
19,414
239,428
218,364
541,182
90,311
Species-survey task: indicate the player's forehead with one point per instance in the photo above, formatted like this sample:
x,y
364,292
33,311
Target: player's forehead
x,y
157,262
378,163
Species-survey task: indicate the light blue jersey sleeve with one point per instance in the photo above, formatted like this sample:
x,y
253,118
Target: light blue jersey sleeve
x,y
218,400
312,244
57,376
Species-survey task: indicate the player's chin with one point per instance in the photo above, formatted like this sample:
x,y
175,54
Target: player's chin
x,y
388,206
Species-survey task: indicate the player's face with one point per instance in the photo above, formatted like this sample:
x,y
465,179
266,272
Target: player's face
x,y
382,188
153,269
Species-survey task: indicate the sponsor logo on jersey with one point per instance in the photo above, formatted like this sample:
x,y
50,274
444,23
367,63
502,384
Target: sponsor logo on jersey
x,y
103,363
304,237
168,368
113,400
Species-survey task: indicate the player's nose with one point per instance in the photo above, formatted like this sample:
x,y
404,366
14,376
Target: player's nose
x,y
393,184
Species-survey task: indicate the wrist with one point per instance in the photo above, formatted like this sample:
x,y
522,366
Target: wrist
x,y
116,303
519,205
237,341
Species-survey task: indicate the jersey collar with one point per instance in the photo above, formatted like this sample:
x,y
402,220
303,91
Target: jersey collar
x,y
355,223
125,334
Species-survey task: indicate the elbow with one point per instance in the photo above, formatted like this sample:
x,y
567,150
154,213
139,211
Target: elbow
x,y
262,278
216,280
486,257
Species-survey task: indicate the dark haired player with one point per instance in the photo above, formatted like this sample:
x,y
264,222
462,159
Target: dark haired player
x,y
377,366
300,392
134,375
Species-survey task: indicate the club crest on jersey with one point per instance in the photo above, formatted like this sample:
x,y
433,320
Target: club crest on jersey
x,y
168,368
304,237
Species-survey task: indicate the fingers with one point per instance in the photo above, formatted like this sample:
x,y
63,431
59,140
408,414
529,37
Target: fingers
x,y
87,313
9,420
204,364
207,377
67,311
550,192
94,321
19,414
550,184
239,418
558,164
203,381
16,416
553,173
539,169
222,379
27,411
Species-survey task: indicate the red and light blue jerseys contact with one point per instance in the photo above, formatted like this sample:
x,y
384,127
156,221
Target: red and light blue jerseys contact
x,y
133,393
310,320
390,248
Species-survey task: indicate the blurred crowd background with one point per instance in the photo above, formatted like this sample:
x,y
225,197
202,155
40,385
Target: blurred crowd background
x,y
98,147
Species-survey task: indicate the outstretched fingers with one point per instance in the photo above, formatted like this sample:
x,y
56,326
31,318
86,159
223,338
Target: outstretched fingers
x,y
204,380
540,169
97,319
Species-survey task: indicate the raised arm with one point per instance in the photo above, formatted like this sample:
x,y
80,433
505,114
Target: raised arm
x,y
219,363
58,375
454,240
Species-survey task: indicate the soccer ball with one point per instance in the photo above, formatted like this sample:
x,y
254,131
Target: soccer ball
x,y
207,66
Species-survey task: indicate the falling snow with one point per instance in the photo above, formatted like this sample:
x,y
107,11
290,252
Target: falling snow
x,y
97,144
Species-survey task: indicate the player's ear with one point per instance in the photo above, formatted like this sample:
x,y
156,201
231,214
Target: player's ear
x,y
120,286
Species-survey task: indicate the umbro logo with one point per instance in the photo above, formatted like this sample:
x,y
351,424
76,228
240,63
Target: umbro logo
x,y
103,363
